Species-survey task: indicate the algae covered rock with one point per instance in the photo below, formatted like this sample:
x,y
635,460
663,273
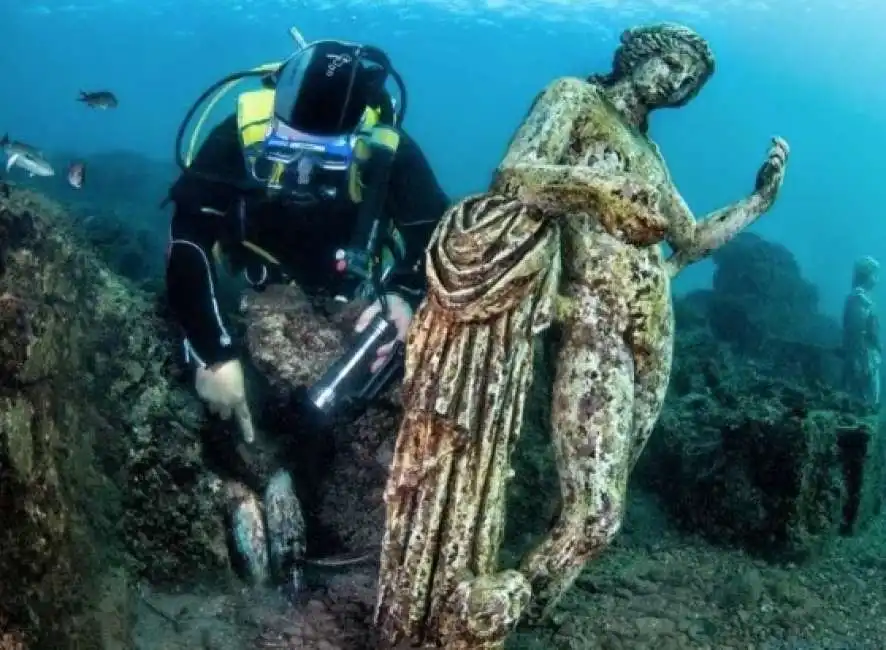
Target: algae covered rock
x,y
340,466
759,474
760,296
863,465
749,454
116,210
757,446
101,481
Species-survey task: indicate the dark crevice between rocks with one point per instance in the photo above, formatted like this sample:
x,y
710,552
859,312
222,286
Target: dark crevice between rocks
x,y
285,443
308,449
855,445
15,230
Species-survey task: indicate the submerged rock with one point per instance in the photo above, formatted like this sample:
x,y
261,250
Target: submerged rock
x,y
761,299
339,467
101,477
762,473
862,451
752,451
756,446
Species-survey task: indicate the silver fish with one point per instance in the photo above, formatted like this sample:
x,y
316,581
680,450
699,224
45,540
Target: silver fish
x,y
34,166
77,175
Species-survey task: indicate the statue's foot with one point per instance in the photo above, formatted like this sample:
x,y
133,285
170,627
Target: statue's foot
x,y
248,534
549,579
485,610
536,612
285,529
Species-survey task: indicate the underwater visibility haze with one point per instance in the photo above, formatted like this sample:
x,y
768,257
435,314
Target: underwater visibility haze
x,y
807,69
754,518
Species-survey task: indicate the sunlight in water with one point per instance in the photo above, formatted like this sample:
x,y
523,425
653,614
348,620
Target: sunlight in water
x,y
546,10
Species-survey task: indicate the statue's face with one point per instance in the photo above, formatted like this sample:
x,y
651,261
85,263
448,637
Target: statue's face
x,y
865,278
668,79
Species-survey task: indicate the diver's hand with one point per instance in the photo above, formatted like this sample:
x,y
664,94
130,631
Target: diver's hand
x,y
771,173
399,313
223,389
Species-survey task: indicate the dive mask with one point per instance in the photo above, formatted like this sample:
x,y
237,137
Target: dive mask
x,y
322,96
304,166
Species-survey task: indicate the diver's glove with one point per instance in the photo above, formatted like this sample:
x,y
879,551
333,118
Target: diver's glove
x,y
223,388
399,313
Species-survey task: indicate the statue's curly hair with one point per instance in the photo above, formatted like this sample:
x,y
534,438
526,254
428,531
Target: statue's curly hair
x,y
638,44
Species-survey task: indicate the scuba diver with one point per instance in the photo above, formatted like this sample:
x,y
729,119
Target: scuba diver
x,y
313,181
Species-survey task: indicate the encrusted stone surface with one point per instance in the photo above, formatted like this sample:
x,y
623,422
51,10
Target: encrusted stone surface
x,y
101,479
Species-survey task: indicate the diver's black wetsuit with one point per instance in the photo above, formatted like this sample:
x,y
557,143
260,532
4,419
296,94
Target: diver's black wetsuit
x,y
303,239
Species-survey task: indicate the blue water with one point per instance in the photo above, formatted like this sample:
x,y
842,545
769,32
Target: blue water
x,y
811,71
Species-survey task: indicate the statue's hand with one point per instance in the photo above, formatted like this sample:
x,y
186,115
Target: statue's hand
x,y
771,173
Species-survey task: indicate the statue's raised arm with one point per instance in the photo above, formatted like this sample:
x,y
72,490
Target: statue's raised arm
x,y
693,240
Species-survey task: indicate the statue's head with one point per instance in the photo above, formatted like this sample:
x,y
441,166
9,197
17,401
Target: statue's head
x,y
667,64
866,273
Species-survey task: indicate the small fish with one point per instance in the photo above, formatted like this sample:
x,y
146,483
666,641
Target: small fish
x,y
77,174
102,99
35,166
